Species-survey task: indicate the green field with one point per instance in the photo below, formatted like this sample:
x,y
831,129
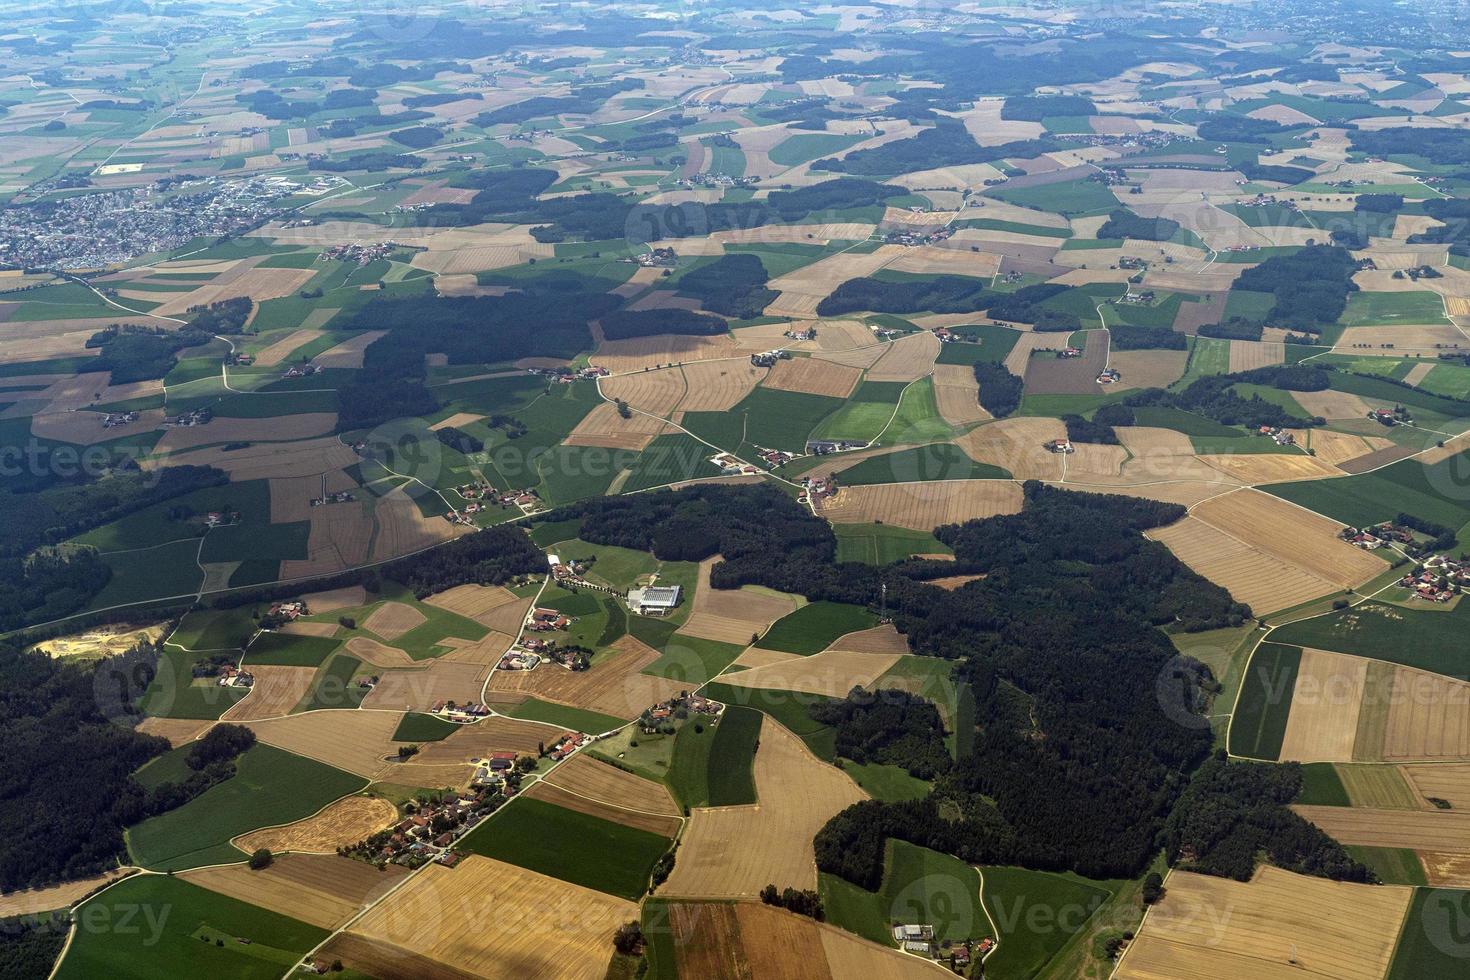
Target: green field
x,y
766,417
805,147
1432,493
153,926
886,782
575,719
814,627
1071,199
269,787
1259,723
1392,865
1434,941
880,544
290,650
942,461
1388,309
919,886
571,846
865,414
1429,639
1038,913
787,707
990,343
1322,786
418,727
731,757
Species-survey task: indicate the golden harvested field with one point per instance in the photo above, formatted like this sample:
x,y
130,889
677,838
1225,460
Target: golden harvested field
x,y
1294,535
392,619
285,428
1426,340
474,601
478,740
879,639
495,920
1428,718
339,538
748,939
1323,723
1208,928
349,353
1446,782
1147,442
485,651
862,357
663,824
923,506
718,386
322,889
1246,355
30,901
907,359
402,527
344,822
177,730
585,776
606,428
334,599
613,686
1335,448
418,690
655,392
1148,368
1259,468
370,651
620,356
1332,404
814,377
1445,831
456,420
958,395
277,690
756,657
1092,461
309,457
731,615
840,335
309,629
1015,444
931,260
804,288
281,349
258,284
831,673
85,428
1260,581
355,741
735,851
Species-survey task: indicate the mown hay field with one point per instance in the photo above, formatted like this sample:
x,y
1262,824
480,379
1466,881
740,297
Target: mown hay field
x,y
356,741
923,506
1323,724
831,673
1208,927
323,890
277,690
734,852
491,919
347,821
813,376
615,686
731,615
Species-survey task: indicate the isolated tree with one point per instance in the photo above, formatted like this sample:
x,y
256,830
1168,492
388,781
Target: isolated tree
x,y
261,859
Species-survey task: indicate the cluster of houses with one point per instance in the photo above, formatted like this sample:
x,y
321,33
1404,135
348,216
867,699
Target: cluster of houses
x,y
817,488
232,676
1061,446
769,358
913,239
1398,415
114,419
460,714
1439,579
480,495
569,570
566,375
655,600
1109,376
716,180
568,743
361,254
221,518
733,466
547,621
920,939
682,706
302,370
1070,352
335,497
826,447
428,829
805,333
1277,435
286,612
519,659
494,770
236,359
658,258
200,416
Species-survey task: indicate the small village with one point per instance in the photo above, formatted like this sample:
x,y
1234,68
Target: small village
x,y
681,707
114,419
919,939
1439,579
199,416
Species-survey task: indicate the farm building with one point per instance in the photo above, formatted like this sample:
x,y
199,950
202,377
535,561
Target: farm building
x,y
655,600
